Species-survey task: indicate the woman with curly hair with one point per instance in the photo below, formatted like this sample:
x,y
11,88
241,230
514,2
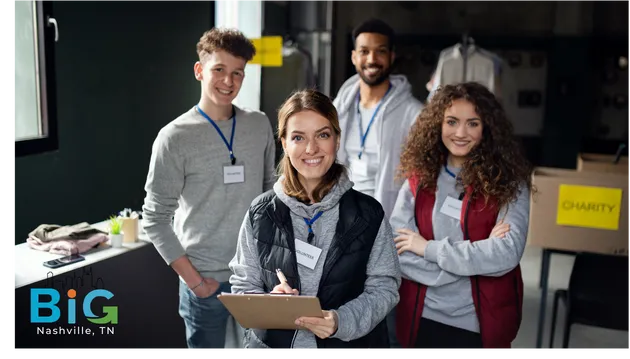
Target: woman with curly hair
x,y
460,223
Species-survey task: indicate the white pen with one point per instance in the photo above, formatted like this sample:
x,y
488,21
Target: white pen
x,y
281,276
283,281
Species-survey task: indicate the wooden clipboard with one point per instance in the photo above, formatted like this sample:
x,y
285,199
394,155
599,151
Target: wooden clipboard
x,y
270,311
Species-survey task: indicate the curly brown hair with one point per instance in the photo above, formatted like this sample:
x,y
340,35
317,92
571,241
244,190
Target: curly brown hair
x,y
494,168
231,41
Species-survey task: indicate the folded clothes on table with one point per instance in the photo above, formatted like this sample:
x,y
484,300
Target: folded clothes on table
x,y
65,240
51,232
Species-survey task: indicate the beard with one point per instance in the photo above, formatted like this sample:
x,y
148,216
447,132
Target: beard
x,y
374,81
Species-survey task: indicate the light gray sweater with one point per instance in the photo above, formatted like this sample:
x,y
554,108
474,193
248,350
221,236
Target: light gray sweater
x,y
185,179
357,317
449,260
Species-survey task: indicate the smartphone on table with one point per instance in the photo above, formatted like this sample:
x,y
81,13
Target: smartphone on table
x,y
63,261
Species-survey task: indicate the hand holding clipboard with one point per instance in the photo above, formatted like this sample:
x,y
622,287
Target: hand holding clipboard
x,y
283,308
322,327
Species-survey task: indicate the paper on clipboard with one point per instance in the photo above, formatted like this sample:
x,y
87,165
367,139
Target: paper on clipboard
x,y
270,311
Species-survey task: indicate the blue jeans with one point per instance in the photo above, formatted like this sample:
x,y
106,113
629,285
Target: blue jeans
x,y
205,318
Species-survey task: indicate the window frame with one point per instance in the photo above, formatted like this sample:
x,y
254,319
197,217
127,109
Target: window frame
x,y
46,33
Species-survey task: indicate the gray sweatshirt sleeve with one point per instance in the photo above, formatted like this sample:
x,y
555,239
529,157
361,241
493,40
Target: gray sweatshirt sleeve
x,y
246,272
164,185
412,266
244,265
270,160
359,316
492,256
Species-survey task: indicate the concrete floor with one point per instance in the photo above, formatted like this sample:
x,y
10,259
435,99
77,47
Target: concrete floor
x,y
581,336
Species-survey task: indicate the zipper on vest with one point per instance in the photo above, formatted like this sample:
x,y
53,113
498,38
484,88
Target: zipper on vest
x,y
293,340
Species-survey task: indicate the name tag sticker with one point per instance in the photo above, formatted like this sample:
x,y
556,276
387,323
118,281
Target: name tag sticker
x,y
589,207
452,207
307,255
233,174
359,167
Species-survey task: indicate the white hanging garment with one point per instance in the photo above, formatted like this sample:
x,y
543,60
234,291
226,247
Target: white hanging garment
x,y
482,66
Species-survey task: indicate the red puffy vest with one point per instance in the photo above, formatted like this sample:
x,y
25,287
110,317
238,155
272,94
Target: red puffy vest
x,y
498,300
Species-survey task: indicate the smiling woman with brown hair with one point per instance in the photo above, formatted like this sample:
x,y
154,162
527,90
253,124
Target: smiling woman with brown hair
x,y
461,222
329,240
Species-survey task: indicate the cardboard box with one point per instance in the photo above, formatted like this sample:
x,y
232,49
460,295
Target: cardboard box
x,y
581,201
601,163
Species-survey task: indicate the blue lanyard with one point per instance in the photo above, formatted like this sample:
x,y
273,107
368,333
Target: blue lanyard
x,y
364,135
309,223
229,145
449,172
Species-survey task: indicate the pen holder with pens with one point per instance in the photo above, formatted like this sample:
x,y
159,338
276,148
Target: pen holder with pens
x,y
129,226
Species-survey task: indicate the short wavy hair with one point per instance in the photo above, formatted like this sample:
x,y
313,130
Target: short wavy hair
x,y
231,41
495,168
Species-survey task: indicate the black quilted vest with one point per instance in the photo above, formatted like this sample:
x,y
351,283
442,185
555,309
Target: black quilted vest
x,y
344,272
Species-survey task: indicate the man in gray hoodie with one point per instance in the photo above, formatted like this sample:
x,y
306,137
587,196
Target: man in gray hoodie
x,y
205,170
376,111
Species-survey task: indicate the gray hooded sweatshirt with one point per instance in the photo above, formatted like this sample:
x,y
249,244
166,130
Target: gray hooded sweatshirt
x,y
357,317
391,125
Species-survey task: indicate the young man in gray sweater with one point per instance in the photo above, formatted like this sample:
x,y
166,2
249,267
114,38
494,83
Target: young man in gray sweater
x,y
205,170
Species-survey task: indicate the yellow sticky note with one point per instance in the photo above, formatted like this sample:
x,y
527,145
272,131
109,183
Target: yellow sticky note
x,y
268,51
589,207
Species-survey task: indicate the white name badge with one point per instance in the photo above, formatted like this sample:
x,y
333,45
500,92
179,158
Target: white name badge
x,y
452,207
233,174
307,255
359,167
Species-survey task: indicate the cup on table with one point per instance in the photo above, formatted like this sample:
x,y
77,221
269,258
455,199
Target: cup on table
x,y
116,240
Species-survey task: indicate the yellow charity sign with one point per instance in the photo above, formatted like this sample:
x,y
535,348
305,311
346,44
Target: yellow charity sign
x,y
589,207
268,51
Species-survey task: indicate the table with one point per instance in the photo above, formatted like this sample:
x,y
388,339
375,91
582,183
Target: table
x,y
145,289
28,262
544,286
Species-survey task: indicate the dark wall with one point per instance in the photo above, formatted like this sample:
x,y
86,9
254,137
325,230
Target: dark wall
x,y
569,101
124,70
